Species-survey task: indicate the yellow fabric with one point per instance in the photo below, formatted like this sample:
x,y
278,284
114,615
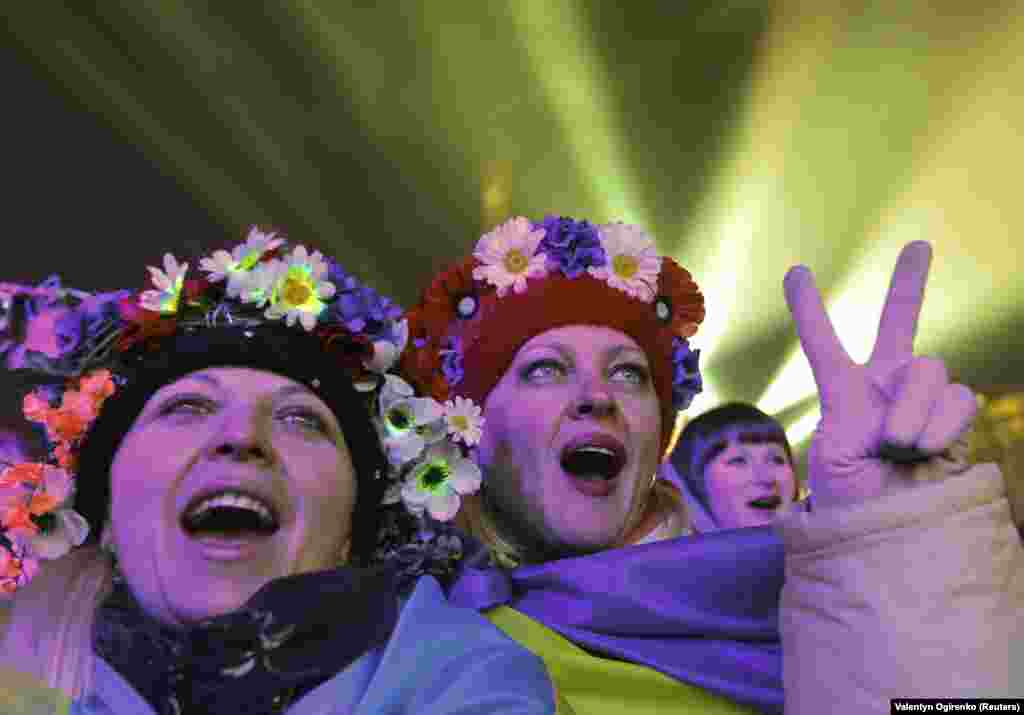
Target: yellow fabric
x,y
22,694
591,685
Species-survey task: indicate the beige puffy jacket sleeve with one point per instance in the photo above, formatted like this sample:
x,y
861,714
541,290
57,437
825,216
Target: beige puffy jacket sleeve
x,y
915,594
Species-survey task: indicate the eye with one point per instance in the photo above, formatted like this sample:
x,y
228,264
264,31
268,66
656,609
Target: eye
x,y
779,460
188,405
543,370
632,372
304,418
738,460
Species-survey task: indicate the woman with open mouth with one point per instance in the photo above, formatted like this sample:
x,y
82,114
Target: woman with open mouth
x,y
206,533
734,466
569,344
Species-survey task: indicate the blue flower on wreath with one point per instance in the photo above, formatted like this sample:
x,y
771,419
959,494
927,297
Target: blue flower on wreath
x,y
451,360
686,378
363,310
571,246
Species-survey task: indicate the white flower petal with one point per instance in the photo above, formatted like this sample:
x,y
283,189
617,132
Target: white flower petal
x,y
404,448
384,356
150,300
307,319
402,334
443,505
426,410
465,476
159,278
398,386
74,526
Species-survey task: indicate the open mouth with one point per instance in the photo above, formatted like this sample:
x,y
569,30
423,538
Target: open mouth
x,y
229,514
767,503
593,462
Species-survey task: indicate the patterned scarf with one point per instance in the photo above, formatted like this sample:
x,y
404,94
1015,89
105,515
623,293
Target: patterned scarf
x,y
291,636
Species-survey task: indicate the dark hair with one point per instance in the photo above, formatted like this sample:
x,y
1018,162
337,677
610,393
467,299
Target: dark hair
x,y
272,348
707,435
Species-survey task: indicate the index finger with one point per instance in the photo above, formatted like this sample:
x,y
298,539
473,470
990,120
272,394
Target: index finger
x,y
898,325
814,328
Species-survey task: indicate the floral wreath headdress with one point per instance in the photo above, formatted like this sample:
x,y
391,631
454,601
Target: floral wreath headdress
x,y
258,282
524,278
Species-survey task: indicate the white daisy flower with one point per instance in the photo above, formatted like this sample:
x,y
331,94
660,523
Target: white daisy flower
x,y
407,424
632,263
255,286
507,254
168,282
243,258
300,288
463,419
440,480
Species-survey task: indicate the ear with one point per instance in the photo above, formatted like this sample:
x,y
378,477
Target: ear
x,y
345,551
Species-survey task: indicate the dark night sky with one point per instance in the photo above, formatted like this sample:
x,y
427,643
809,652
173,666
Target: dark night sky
x,y
70,178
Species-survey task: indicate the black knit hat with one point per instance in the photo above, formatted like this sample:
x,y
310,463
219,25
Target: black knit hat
x,y
263,305
271,347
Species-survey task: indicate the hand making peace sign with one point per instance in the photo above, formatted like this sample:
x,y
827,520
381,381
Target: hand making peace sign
x,y
894,409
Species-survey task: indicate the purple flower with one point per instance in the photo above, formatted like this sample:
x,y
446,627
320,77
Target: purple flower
x,y
336,274
362,310
451,360
571,246
686,378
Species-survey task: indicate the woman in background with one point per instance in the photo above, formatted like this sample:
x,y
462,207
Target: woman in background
x,y
735,466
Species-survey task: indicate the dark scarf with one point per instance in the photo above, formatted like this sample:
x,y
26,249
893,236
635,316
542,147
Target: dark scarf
x,y
291,636
701,609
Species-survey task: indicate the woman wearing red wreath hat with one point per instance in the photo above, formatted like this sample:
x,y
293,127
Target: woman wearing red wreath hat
x,y
561,351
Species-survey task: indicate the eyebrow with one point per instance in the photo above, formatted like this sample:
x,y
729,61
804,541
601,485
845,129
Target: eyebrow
x,y
612,352
283,391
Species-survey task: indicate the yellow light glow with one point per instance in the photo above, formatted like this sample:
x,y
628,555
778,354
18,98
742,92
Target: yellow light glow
x,y
800,430
574,81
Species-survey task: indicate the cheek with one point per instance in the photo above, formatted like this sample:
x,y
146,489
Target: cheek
x,y
721,485
141,479
514,428
326,480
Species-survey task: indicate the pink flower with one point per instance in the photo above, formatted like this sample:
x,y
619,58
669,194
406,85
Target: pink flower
x,y
35,408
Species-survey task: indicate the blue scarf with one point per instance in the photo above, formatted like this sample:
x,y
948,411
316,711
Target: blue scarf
x,y
701,609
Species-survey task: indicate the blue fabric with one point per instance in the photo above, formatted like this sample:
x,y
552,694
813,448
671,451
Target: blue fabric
x,y
440,660
702,609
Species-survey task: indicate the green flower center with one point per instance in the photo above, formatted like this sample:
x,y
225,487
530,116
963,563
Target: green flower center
x,y
247,261
625,266
432,475
515,261
399,419
459,422
46,522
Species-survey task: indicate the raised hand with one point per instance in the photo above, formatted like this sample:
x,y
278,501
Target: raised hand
x,y
894,410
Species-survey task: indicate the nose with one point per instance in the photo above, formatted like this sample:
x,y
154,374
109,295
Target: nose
x,y
241,437
767,476
594,401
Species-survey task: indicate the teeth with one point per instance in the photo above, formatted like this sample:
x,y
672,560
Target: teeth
x,y
233,499
598,450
